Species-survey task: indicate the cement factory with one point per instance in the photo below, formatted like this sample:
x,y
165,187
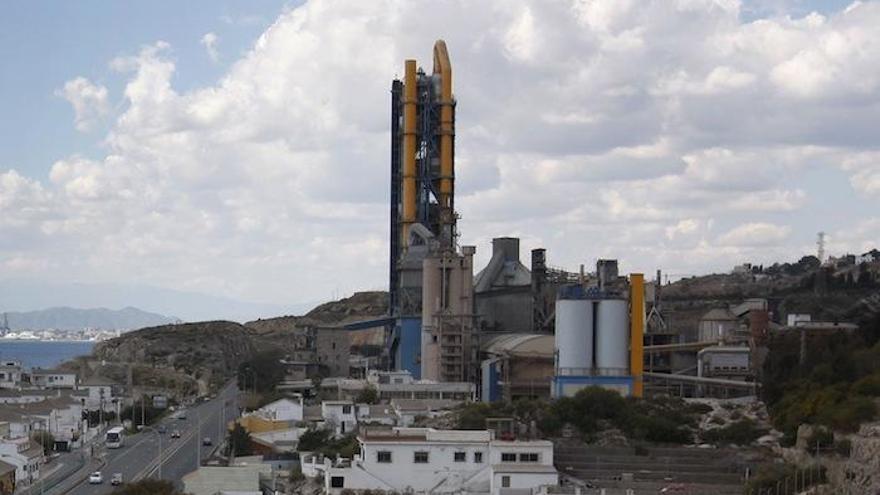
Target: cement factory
x,y
514,331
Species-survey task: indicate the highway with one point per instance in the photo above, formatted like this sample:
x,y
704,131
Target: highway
x,y
139,457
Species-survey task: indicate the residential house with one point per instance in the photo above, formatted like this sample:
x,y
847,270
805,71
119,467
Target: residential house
x,y
285,409
10,374
53,378
443,461
25,455
101,394
339,415
7,478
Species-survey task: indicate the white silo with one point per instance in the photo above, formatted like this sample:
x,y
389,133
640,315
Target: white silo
x,y
574,336
612,337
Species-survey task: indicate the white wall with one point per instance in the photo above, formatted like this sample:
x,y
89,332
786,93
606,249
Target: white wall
x,y
523,482
284,410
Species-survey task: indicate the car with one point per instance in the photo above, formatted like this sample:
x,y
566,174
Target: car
x,y
116,480
206,441
96,478
161,429
181,414
175,434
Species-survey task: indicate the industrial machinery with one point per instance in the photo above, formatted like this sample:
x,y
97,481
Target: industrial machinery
x,y
599,337
423,230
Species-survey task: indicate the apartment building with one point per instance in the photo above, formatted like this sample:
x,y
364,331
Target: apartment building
x,y
426,460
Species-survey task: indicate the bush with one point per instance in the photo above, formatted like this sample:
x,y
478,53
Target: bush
x,y
843,447
369,395
45,440
821,440
742,432
770,476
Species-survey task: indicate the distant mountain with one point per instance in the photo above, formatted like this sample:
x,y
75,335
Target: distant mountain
x,y
64,318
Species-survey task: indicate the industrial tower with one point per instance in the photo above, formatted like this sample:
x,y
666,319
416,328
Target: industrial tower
x,y
423,227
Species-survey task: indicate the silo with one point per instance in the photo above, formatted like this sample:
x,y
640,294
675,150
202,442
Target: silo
x,y
612,337
574,336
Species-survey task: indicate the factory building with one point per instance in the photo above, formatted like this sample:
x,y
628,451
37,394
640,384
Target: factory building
x,y
430,278
503,289
599,335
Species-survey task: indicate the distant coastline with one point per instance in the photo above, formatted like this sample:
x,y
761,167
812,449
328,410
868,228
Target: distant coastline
x,y
44,353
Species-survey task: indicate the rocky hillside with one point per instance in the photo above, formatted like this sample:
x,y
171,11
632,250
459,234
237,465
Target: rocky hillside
x,y
360,306
208,350
842,292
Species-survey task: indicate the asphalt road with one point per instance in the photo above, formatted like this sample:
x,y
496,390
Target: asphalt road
x,y
139,457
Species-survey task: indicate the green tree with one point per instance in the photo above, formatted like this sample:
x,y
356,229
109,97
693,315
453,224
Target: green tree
x,y
369,395
44,439
239,441
262,373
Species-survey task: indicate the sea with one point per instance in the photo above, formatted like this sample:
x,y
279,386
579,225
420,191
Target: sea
x,y
43,354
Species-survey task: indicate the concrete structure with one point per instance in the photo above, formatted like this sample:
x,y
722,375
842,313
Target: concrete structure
x,y
286,409
241,479
503,290
52,378
340,416
731,362
443,461
448,350
7,478
10,374
314,350
597,342
26,456
101,394
422,210
716,325
402,386
516,366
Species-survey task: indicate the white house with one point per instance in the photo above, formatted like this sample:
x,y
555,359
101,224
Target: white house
x,y
10,373
340,415
286,409
25,455
100,393
53,378
443,461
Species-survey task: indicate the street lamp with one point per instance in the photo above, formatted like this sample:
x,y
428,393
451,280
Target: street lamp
x,y
160,456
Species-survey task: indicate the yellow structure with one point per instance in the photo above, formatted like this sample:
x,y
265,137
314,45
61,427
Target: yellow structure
x,y
255,424
410,98
637,331
443,68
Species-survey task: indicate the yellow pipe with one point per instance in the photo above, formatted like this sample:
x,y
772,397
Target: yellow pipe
x,y
409,150
637,331
447,123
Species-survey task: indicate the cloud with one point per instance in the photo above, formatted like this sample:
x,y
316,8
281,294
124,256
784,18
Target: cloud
x,y
602,128
209,41
89,102
755,234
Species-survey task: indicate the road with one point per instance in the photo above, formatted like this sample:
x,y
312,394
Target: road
x,y
138,458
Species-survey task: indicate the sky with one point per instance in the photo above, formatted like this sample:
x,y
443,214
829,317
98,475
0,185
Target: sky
x,y
229,159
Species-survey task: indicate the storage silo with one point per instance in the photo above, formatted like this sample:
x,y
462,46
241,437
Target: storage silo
x,y
612,337
574,336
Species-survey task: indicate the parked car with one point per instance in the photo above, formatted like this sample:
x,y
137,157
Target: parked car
x,y
175,434
206,441
161,429
96,478
116,480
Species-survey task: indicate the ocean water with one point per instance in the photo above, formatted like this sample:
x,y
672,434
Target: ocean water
x,y
42,354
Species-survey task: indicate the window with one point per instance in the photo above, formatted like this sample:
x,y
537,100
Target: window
x,y
460,457
337,481
528,457
508,457
478,457
505,482
346,409
383,456
420,457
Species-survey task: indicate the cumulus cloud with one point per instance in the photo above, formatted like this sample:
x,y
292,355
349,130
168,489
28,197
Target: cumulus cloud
x,y
603,128
209,41
755,234
89,101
